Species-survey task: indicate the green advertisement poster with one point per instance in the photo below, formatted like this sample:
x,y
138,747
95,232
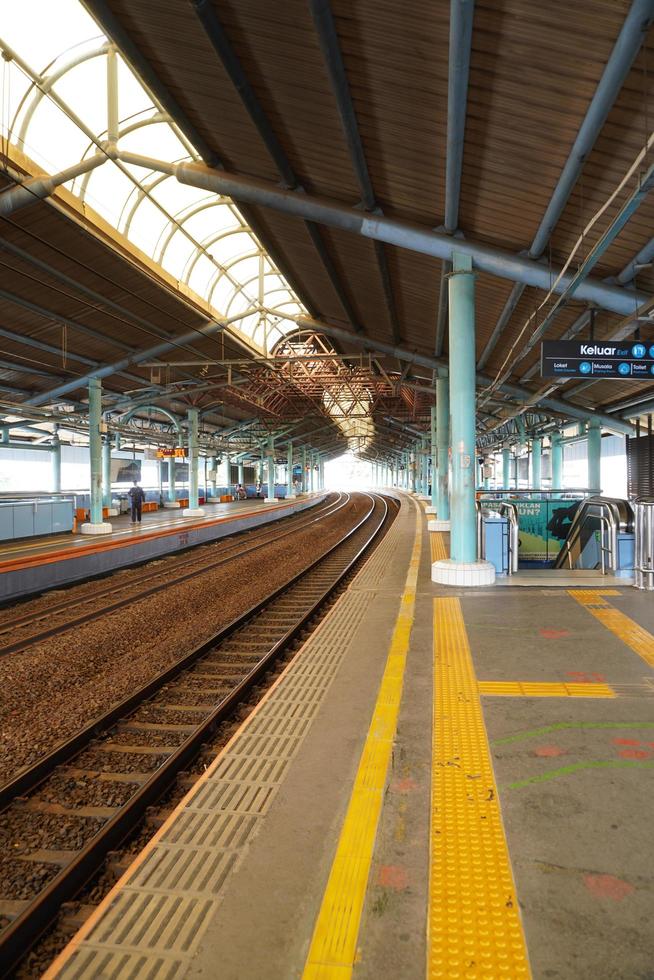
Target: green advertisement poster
x,y
544,526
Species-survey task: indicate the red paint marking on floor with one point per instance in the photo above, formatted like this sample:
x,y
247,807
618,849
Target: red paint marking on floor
x,y
583,678
405,785
553,634
626,741
549,751
393,876
607,886
634,754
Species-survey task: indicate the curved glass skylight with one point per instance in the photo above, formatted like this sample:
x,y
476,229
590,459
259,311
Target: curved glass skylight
x,y
65,95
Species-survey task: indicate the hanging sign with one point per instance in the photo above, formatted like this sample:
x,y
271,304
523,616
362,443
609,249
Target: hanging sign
x,y
596,359
178,453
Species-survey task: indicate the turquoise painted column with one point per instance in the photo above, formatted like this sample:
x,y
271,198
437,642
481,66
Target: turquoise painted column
x,y
193,509
271,468
241,473
443,448
96,524
55,460
536,463
506,468
290,489
463,517
261,459
106,472
595,456
311,471
557,461
434,458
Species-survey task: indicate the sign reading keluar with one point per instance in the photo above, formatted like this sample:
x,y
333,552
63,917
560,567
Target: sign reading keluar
x,y
596,359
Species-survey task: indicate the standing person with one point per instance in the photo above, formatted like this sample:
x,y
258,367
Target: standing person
x,y
136,498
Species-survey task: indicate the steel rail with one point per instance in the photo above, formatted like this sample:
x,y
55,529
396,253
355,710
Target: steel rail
x,y
197,566
22,933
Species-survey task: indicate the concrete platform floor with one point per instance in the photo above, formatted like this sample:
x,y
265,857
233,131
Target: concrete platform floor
x,y
442,783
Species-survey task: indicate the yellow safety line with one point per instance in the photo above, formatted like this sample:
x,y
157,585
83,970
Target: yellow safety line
x,y
333,945
474,927
438,546
538,689
635,636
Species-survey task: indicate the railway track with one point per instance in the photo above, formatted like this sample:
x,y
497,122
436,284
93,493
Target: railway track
x,y
61,817
76,609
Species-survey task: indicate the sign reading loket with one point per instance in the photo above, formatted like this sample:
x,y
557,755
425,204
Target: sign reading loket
x,y
596,359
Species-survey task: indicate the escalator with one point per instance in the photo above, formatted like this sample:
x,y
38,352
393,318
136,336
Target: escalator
x,y
548,538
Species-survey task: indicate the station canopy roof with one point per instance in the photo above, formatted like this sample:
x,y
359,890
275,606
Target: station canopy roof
x,y
292,281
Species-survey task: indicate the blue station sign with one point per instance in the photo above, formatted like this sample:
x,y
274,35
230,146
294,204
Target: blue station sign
x,y
597,359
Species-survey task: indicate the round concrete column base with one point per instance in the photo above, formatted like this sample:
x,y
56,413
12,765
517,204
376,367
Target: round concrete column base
x,y
438,525
192,512
430,509
424,496
103,528
463,573
113,511
290,496
270,500
171,504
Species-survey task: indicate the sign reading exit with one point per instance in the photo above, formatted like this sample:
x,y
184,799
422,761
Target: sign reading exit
x,y
596,359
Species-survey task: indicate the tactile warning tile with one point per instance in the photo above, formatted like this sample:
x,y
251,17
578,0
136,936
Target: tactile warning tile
x,y
636,637
160,911
538,689
439,546
474,927
374,570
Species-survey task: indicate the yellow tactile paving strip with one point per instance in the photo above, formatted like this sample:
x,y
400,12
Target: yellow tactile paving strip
x,y
438,546
334,942
474,927
636,637
540,689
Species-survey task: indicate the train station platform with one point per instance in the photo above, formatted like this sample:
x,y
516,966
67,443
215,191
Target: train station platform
x,y
36,564
442,783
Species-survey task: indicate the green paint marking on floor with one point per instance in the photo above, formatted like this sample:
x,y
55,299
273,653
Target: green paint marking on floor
x,y
563,725
577,766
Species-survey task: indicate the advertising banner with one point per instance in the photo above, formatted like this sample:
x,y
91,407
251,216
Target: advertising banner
x,y
125,470
544,526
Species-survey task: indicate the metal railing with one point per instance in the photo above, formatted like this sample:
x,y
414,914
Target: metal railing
x,y
502,508
644,543
613,515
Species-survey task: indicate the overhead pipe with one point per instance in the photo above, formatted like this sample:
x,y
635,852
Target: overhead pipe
x,y
630,40
34,189
394,231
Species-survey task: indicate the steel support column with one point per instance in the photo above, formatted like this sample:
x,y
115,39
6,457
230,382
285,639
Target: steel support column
x,y
557,460
96,525
271,469
536,463
290,489
434,459
55,461
443,448
506,467
193,509
106,471
595,456
462,568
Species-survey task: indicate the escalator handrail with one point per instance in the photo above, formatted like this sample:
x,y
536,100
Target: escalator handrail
x,y
617,513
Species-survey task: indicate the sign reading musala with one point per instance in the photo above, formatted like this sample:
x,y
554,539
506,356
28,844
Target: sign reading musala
x,y
596,359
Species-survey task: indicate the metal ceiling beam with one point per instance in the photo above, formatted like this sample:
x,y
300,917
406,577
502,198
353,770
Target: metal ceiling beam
x,y
232,65
631,37
440,364
394,231
643,259
331,51
461,17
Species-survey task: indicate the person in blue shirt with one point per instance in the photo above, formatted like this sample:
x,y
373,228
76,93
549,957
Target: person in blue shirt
x,y
136,498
